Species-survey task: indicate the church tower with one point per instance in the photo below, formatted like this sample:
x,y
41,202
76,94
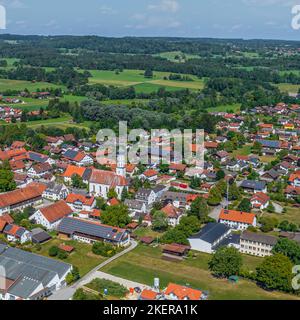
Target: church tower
x,y
121,167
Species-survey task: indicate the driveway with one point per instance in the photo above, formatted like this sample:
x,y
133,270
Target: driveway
x,y
216,210
66,293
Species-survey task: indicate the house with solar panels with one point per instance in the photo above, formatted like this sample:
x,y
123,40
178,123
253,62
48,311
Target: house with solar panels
x,y
78,158
28,276
90,232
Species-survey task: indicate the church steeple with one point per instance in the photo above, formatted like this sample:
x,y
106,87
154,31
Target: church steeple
x,y
121,166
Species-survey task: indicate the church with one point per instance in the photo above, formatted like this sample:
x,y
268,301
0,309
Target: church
x,y
102,181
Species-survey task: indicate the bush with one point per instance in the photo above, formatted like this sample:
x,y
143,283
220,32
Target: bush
x,y
103,249
114,289
53,251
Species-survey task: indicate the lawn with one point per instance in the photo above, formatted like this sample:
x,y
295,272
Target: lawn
x,y
145,263
136,78
7,84
291,214
82,257
146,232
244,151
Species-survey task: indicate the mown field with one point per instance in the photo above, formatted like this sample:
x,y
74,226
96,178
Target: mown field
x,y
136,79
145,263
7,84
171,55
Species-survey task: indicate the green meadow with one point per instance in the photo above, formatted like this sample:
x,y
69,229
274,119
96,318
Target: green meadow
x,y
136,79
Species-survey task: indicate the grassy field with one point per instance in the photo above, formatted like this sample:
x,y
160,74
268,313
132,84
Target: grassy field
x,y
145,263
82,257
172,54
6,84
287,87
225,108
136,78
291,214
244,151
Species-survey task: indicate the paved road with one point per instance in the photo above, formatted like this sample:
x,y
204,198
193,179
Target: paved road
x,y
216,210
67,292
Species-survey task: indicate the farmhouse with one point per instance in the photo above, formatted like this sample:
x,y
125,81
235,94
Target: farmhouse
x,y
260,200
50,216
79,158
55,191
21,198
252,186
90,232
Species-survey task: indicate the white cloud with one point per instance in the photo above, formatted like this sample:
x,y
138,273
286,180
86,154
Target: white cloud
x,y
171,6
106,10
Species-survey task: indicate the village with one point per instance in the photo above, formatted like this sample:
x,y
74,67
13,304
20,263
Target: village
x,y
246,197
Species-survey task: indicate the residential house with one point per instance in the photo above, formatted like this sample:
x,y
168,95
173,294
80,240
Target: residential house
x,y
173,214
16,233
79,202
252,186
79,158
150,175
39,170
178,292
146,195
260,201
71,170
55,191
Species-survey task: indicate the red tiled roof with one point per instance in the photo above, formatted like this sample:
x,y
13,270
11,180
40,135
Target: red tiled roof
x,y
66,248
260,197
237,216
182,292
32,191
150,173
170,211
56,211
148,295
7,155
2,225
177,166
72,197
73,170
107,178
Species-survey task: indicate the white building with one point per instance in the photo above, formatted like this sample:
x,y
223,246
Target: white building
x,y
237,220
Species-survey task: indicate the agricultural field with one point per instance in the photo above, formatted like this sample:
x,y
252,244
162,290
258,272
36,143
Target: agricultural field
x,y
136,79
145,263
7,84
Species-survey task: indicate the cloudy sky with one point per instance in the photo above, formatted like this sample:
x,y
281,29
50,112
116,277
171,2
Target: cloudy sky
x,y
183,18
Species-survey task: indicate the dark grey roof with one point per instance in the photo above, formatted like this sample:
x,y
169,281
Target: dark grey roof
x,y
19,232
255,185
211,232
38,235
24,287
71,154
54,187
143,193
259,237
87,174
72,226
233,238
159,188
134,204
37,261
37,157
269,143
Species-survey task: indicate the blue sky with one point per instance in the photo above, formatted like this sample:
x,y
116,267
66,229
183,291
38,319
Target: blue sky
x,y
183,18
